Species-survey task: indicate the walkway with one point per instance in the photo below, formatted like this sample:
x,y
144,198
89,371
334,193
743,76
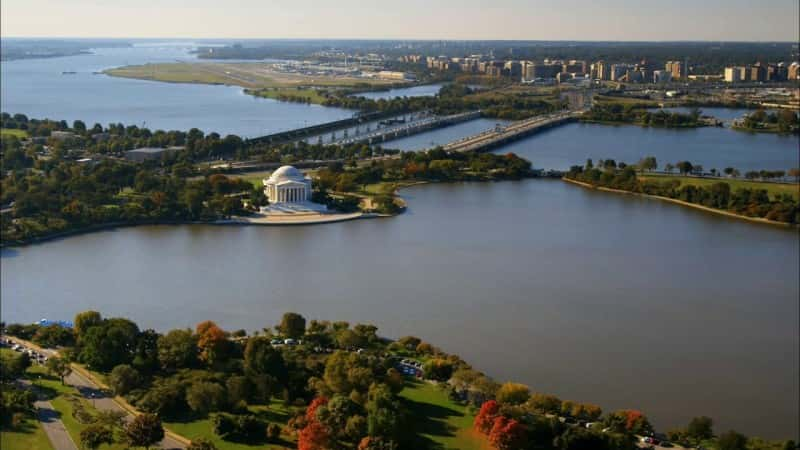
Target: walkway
x,y
53,426
101,401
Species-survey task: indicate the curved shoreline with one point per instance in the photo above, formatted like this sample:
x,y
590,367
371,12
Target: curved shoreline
x,y
683,203
220,222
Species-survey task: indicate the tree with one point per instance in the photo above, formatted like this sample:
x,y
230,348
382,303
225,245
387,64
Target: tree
x,y
261,358
177,350
668,168
438,369
545,403
204,397
580,439
124,379
293,325
313,436
59,367
95,435
484,421
507,434
732,441
109,344
684,167
201,444
700,428
85,320
212,343
144,430
513,394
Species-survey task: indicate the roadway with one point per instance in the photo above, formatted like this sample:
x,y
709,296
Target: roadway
x,y
491,138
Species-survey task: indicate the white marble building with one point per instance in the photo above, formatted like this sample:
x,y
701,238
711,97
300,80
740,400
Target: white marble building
x,y
287,185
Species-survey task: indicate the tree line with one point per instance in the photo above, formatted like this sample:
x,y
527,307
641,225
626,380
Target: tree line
x,y
750,202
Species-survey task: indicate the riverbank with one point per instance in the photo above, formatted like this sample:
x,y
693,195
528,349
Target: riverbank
x,y
683,203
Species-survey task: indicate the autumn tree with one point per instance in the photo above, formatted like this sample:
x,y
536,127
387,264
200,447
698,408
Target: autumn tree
x,y
212,343
507,434
485,418
513,394
144,430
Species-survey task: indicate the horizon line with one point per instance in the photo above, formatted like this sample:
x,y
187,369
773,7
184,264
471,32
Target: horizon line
x,y
794,43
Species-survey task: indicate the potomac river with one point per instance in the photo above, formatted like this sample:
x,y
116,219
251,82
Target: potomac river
x,y
621,301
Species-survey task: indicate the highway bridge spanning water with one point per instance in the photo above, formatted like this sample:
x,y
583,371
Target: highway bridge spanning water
x,y
500,135
407,129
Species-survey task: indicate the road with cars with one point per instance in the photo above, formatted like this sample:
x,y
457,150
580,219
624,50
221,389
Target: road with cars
x,y
101,400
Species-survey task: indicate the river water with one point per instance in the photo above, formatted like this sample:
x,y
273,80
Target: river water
x,y
624,302
425,90
37,88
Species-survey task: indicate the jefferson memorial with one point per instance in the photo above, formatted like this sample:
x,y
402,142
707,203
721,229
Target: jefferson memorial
x,y
287,185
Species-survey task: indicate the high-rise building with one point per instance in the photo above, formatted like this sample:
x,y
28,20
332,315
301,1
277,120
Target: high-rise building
x,y
662,76
618,71
602,70
678,69
758,72
733,74
513,69
793,72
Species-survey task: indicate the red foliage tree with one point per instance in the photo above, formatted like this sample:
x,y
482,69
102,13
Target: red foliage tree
x,y
632,418
311,411
313,437
507,434
485,418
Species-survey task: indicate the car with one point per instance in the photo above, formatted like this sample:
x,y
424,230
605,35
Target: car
x,y
290,341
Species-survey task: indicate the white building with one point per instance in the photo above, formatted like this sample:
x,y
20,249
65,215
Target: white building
x,y
287,185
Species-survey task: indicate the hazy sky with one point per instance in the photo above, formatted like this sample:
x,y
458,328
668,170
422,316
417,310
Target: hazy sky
x,y
740,20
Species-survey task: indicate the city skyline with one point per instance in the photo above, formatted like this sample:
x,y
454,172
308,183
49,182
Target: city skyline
x,y
615,20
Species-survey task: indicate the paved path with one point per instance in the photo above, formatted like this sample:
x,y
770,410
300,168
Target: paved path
x,y
53,426
103,402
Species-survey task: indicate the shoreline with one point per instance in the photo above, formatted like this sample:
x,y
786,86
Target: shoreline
x,y
683,203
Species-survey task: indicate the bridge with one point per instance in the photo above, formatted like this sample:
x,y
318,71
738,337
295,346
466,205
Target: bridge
x,y
500,135
407,129
313,130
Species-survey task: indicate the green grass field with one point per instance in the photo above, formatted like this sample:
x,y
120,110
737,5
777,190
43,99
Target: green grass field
x,y
772,188
276,412
443,423
20,134
30,435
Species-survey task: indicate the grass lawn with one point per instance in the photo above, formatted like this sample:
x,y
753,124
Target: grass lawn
x,y
276,412
29,435
442,423
21,134
772,188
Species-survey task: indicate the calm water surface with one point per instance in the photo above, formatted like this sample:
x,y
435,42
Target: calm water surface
x,y
37,88
620,301
425,90
711,147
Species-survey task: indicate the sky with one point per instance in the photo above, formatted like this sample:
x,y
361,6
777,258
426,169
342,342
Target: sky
x,y
618,20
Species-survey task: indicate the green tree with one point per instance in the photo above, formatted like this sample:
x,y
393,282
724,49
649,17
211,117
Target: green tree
x,y
145,430
201,444
124,379
177,350
59,367
85,320
95,435
109,344
204,397
700,428
293,325
732,440
261,358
